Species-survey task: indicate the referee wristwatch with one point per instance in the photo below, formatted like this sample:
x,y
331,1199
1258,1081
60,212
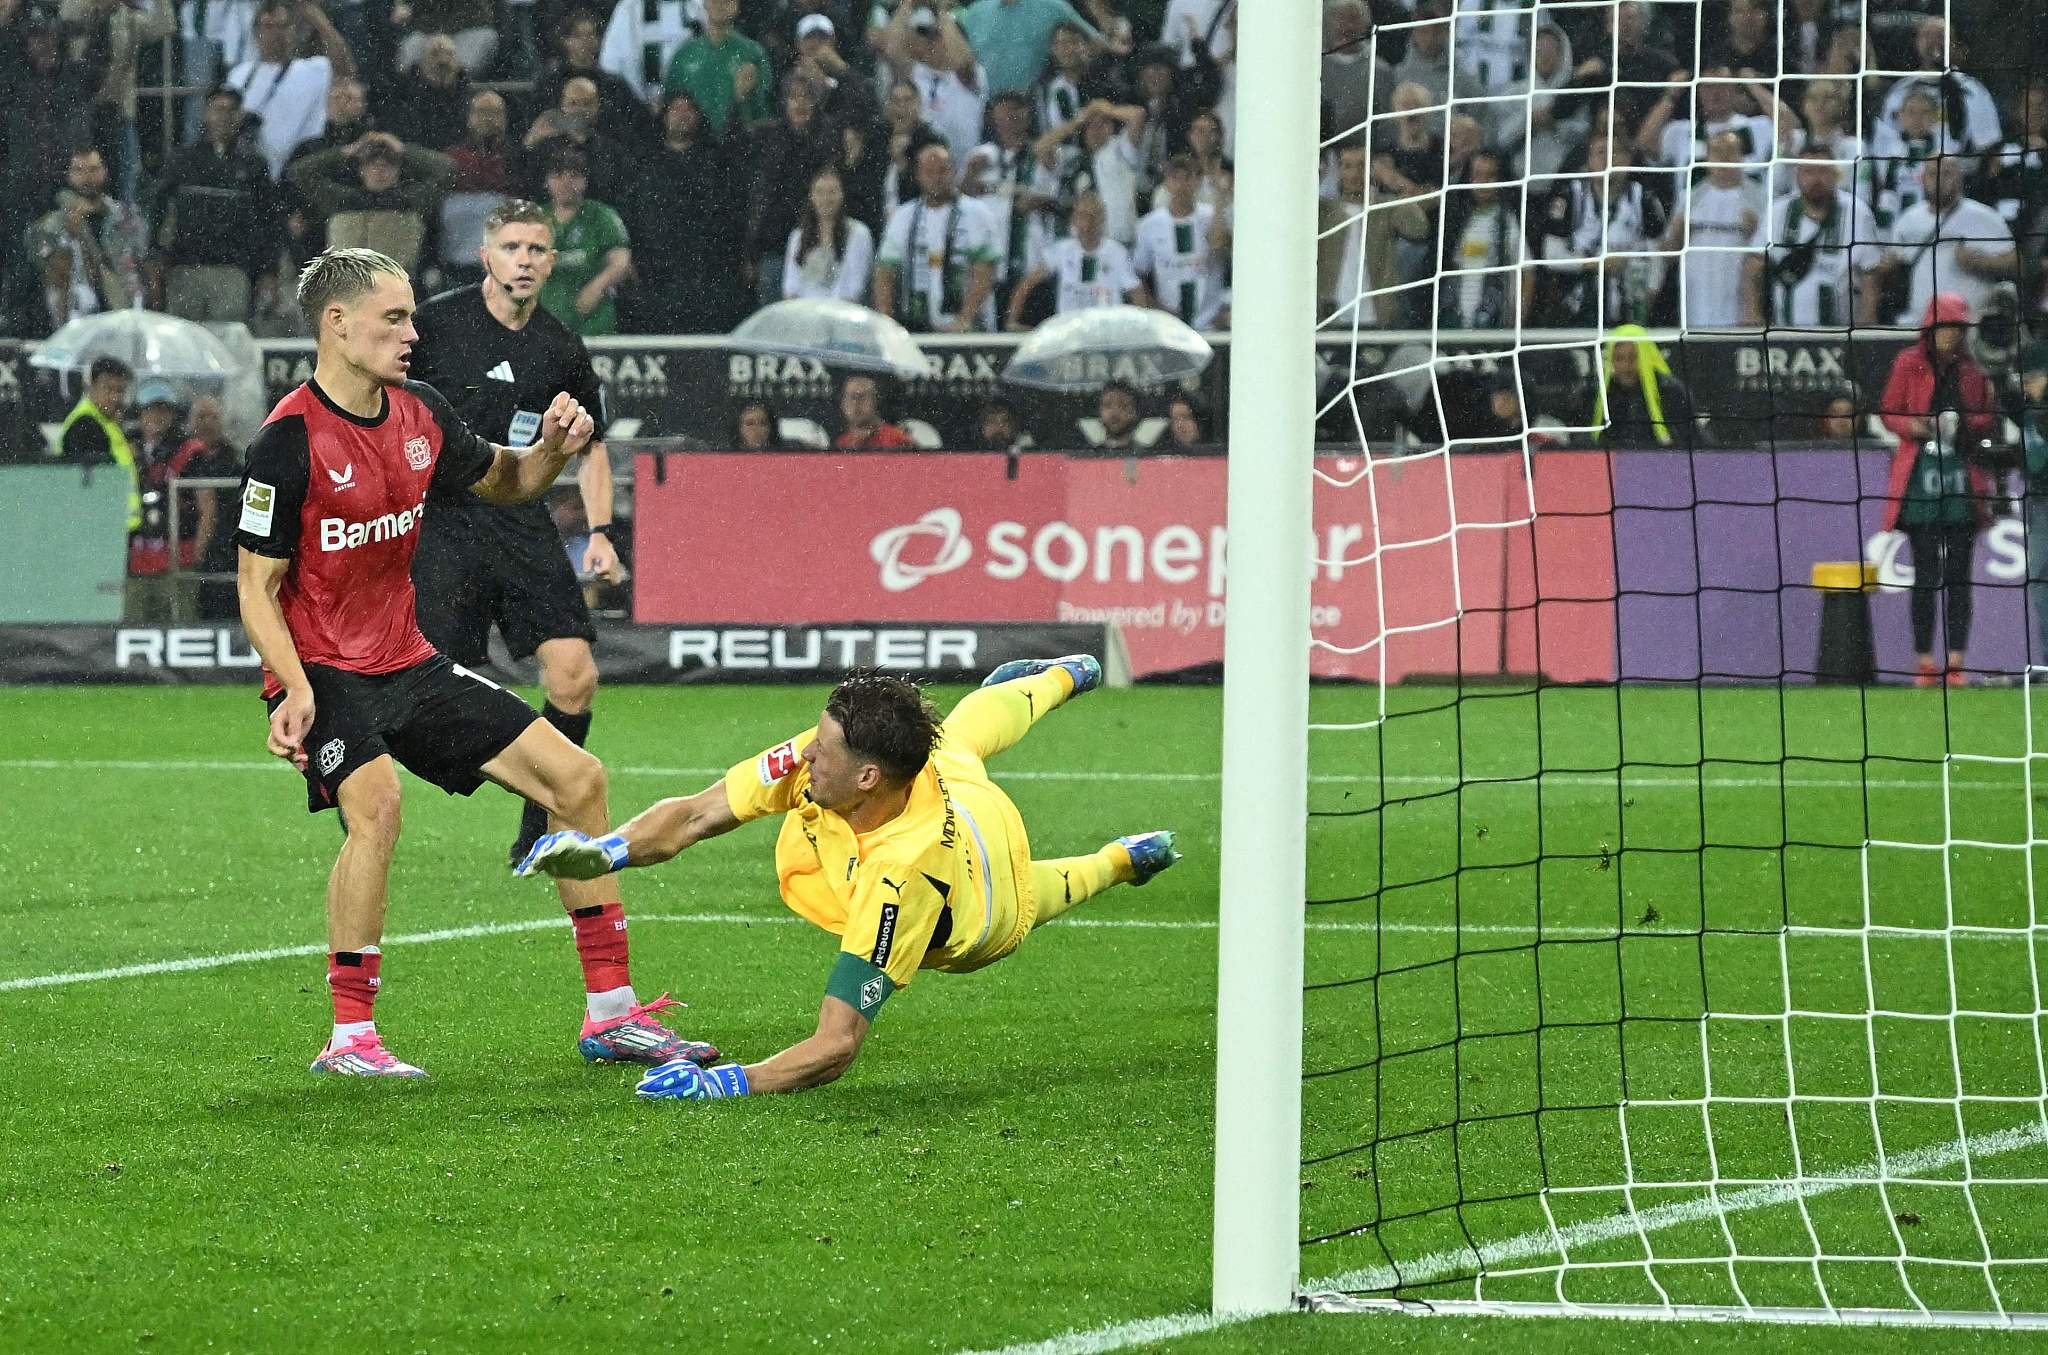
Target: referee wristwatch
x,y
602,529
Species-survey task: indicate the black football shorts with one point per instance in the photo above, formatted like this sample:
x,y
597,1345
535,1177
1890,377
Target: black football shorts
x,y
440,721
469,576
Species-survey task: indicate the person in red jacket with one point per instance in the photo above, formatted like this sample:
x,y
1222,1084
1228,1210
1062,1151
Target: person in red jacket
x,y
1938,495
860,401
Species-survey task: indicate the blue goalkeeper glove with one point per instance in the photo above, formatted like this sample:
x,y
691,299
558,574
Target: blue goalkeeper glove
x,y
682,1080
569,855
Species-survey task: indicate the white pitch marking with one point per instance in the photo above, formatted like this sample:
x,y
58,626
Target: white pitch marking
x,y
1552,779
1919,1162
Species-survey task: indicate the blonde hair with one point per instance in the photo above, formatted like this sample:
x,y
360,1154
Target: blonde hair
x,y
340,275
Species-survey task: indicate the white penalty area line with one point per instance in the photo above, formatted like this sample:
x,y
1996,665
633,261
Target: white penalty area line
x,y
1554,1245
193,963
1550,779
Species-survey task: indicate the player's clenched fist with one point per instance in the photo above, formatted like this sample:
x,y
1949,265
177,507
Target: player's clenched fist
x,y
289,725
566,424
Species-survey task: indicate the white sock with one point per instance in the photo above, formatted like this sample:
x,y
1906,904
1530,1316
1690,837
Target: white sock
x,y
344,1031
611,1004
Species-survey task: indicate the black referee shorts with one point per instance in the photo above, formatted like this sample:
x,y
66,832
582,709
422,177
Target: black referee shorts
x,y
440,721
470,576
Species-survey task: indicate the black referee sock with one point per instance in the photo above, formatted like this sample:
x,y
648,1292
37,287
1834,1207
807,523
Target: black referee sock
x,y
575,727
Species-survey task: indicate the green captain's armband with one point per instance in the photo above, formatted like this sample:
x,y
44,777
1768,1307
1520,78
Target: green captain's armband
x,y
859,984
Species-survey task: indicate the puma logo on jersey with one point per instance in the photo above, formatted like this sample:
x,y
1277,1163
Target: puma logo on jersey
x,y
501,372
344,478
341,534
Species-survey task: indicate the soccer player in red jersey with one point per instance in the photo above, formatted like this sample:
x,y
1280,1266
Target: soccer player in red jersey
x,y
338,480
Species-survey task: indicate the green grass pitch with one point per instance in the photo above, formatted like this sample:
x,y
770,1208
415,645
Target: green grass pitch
x,y
1026,1152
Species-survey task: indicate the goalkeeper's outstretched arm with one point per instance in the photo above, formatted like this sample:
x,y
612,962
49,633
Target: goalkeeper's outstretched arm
x,y
649,838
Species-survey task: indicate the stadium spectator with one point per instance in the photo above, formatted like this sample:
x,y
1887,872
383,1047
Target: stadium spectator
x,y
860,404
1816,259
592,255
1172,99
117,29
1641,62
1013,38
1073,80
1951,243
572,125
1116,426
163,451
216,216
1411,161
1428,60
347,119
1939,405
1357,276
938,255
1183,248
1893,177
756,429
1212,166
866,171
687,212
999,428
284,94
1189,424
1088,269
91,434
843,96
93,249
203,58
1482,285
1712,230
924,45
623,115
42,117
784,157
432,108
2016,184
1189,25
827,254
1966,109
1557,120
1838,424
1679,143
1111,161
378,193
489,167
213,543
1809,27
1640,403
642,38
470,25
1822,129
1005,174
1586,233
726,71
1357,81
1746,44
1493,42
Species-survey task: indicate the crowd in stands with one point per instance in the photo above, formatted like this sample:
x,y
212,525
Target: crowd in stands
x,y
980,166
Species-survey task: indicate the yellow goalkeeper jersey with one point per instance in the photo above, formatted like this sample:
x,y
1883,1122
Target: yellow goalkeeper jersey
x,y
944,885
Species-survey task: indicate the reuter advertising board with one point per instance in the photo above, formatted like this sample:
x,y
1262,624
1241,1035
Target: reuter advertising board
x,y
816,538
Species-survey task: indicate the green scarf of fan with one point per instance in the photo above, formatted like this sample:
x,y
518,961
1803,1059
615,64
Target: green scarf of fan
x,y
1650,365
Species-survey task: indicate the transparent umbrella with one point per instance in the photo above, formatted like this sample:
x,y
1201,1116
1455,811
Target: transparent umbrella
x,y
836,333
1081,350
151,343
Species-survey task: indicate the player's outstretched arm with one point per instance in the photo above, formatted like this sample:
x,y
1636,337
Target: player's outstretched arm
x,y
649,838
823,1058
257,580
520,476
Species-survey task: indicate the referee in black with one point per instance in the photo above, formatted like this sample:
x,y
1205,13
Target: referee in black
x,y
498,358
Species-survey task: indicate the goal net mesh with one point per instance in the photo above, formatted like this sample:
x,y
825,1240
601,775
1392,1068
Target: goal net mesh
x,y
1672,938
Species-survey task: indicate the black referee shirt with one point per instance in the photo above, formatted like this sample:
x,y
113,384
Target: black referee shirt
x,y
500,381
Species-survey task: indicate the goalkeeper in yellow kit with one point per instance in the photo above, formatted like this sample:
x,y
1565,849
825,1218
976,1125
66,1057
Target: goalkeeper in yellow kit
x,y
893,838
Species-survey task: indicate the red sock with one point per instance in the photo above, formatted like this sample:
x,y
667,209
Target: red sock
x,y
601,945
352,978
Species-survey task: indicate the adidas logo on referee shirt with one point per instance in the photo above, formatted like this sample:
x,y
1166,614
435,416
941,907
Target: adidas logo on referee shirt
x,y
501,372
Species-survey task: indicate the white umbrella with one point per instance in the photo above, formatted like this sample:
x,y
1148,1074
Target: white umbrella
x,y
836,333
1081,350
151,343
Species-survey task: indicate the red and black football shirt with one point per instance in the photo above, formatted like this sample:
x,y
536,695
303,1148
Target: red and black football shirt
x,y
341,497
